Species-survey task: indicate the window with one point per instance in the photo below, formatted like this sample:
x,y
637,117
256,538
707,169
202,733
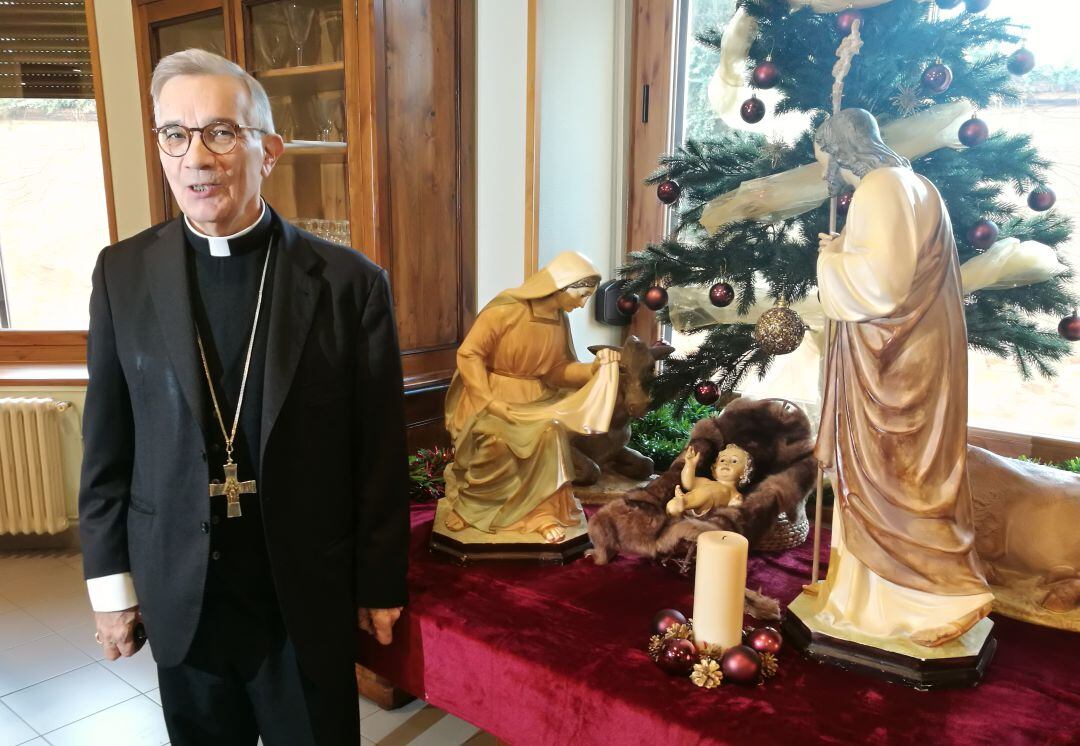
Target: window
x,y
53,211
999,398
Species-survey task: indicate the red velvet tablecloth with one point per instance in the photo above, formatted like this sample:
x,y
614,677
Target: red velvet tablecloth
x,y
555,655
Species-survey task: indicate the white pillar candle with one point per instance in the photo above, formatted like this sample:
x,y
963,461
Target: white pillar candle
x,y
719,588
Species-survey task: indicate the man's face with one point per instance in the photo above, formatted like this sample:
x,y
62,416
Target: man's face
x,y
218,193
831,173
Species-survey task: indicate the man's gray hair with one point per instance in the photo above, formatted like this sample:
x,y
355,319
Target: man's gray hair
x,y
853,141
201,62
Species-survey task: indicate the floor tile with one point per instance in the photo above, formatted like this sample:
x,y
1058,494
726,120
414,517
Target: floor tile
x,y
384,722
155,696
63,611
69,697
448,731
82,637
33,662
17,627
367,707
136,722
139,670
27,591
36,742
12,729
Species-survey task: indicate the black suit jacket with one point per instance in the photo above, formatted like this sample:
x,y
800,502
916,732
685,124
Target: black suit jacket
x,y
333,481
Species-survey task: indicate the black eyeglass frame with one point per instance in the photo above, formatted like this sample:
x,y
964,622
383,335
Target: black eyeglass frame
x,y
190,130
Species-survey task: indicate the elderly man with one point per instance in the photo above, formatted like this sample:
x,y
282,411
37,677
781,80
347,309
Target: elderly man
x,y
243,491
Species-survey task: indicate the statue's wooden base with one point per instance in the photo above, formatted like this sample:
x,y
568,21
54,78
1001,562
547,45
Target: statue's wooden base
x,y
608,488
469,546
957,664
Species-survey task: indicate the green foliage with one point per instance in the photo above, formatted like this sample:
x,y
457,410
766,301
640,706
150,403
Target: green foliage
x,y
899,42
1072,464
663,433
426,469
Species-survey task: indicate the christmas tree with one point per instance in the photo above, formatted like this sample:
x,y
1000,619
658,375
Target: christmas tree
x,y
917,67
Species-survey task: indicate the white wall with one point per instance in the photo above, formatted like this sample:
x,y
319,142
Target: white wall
x,y
582,59
501,73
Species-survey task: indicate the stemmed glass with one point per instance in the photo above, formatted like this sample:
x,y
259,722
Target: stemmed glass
x,y
271,39
322,107
331,21
298,19
337,113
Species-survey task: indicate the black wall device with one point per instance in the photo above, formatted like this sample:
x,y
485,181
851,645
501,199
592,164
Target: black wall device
x,y
606,302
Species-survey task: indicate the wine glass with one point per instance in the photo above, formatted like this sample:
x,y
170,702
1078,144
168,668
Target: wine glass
x,y
337,114
322,111
284,121
330,19
271,40
298,19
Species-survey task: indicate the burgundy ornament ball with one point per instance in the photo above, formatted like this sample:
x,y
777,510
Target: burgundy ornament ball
x,y
843,203
706,392
765,75
665,619
974,132
655,298
976,6
765,640
668,191
1069,328
948,4
983,234
1041,199
937,78
846,19
1021,62
627,304
677,657
752,110
721,294
741,664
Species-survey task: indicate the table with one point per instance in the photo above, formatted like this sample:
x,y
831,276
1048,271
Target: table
x,y
556,655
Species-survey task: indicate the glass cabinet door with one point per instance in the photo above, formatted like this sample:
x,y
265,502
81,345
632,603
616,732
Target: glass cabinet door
x,y
295,48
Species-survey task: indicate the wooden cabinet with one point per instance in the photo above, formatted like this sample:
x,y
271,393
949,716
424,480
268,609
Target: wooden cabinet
x,y
376,100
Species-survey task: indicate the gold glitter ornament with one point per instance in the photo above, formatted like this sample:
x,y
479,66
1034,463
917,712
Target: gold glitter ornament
x,y
656,642
769,666
707,674
779,330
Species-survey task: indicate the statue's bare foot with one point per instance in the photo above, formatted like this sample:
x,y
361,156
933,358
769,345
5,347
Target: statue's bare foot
x,y
454,522
553,533
932,638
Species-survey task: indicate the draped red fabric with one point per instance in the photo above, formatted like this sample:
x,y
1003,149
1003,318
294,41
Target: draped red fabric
x,y
556,655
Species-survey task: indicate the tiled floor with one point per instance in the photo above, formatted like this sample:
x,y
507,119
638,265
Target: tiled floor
x,y
55,687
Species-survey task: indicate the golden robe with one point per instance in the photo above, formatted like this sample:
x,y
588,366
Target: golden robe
x,y
515,475
894,419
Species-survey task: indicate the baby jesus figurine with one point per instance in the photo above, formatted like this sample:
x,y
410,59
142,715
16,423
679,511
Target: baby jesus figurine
x,y
702,495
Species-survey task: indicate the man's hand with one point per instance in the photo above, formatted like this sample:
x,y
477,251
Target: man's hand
x,y
116,632
828,243
379,622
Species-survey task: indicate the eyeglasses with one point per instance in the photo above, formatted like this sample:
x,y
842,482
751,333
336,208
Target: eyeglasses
x,y
217,137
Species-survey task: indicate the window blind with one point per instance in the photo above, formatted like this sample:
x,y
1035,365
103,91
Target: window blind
x,y
44,49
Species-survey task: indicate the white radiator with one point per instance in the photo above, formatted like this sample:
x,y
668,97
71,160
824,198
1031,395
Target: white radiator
x,y
31,482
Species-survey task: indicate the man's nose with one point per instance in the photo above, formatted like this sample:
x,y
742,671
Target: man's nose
x,y
198,155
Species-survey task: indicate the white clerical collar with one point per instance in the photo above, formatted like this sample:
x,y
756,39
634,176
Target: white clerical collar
x,y
219,245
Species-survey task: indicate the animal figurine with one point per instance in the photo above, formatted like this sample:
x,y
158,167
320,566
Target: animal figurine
x,y
699,496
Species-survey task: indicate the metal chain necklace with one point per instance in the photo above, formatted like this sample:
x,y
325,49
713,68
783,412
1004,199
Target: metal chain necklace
x,y
232,487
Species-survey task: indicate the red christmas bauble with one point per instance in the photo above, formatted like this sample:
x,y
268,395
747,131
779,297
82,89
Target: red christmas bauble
x,y
655,298
627,304
665,619
677,657
937,78
741,664
752,110
765,640
843,203
974,132
846,19
947,4
983,234
1069,328
668,191
976,6
721,294
1021,62
706,392
765,75
1041,199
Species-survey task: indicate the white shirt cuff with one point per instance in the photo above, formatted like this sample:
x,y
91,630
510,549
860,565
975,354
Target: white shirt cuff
x,y
112,592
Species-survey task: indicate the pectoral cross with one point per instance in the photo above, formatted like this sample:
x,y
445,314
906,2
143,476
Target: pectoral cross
x,y
232,488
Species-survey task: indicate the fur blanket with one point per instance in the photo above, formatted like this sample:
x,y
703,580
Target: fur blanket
x,y
775,433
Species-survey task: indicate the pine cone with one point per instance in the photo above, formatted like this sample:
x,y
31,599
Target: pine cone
x,y
769,665
707,674
708,650
656,642
681,631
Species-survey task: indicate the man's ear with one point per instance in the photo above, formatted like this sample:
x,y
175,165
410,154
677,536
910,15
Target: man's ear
x,y
273,147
